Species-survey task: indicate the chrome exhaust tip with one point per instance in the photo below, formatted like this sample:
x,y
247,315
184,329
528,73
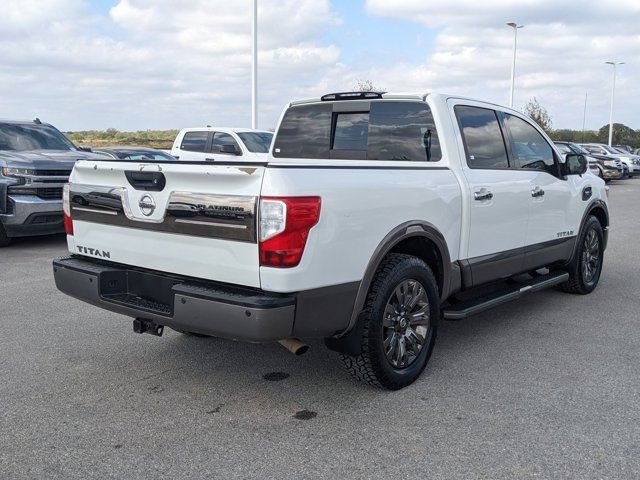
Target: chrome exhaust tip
x,y
294,345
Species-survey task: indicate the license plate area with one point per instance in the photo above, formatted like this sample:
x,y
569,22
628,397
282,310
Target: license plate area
x,y
140,290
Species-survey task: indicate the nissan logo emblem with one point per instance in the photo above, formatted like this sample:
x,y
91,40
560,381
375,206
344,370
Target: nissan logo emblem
x,y
147,205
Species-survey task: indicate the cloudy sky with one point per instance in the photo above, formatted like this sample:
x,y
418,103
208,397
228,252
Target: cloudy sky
x,y
150,64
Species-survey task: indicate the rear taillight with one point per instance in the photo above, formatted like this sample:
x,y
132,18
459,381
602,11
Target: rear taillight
x,y
66,210
284,227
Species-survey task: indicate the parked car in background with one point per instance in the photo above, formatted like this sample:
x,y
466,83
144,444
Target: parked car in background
x,y
630,160
35,162
604,167
134,153
624,148
221,144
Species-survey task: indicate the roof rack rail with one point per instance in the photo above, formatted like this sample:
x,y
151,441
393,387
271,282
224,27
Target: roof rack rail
x,y
351,96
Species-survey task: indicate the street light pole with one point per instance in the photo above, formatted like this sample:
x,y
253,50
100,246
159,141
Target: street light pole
x,y
515,27
584,115
613,92
254,66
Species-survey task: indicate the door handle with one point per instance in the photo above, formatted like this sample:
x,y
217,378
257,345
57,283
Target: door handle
x,y
537,192
483,194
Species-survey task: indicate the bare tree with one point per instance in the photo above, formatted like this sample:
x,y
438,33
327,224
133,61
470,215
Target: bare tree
x,y
538,114
365,86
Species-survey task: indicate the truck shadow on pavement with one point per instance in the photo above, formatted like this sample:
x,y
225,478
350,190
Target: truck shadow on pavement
x,y
276,379
41,241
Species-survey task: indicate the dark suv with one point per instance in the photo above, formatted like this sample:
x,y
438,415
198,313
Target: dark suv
x,y
607,168
35,162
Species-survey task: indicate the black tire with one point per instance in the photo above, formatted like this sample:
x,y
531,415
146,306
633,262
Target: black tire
x,y
372,365
4,240
583,279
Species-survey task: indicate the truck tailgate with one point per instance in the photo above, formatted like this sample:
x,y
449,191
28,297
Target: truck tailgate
x,y
197,220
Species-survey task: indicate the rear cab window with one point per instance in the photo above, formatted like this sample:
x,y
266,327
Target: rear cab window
x,y
195,141
360,130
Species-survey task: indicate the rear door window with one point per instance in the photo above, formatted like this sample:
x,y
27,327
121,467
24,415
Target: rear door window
x,y
195,141
403,131
376,130
483,140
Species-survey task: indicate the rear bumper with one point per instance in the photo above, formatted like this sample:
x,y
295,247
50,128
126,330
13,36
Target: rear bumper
x,y
222,311
208,308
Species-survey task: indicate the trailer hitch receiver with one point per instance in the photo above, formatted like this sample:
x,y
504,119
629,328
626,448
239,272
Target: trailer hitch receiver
x,y
140,325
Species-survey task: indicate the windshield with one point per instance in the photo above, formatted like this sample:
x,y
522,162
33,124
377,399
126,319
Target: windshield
x,y
145,156
256,142
610,149
23,137
564,148
578,149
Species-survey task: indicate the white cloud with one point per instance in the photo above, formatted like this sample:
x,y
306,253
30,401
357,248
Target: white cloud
x,y
158,64
561,53
163,63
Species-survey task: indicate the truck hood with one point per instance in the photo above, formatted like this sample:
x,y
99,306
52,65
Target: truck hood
x,y
44,159
602,157
627,156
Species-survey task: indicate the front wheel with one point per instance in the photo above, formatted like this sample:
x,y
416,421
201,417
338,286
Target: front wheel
x,y
585,268
400,318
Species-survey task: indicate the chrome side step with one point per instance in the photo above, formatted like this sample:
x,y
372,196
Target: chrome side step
x,y
472,306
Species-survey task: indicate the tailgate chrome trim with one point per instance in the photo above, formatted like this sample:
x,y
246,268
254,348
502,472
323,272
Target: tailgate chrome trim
x,y
199,222
95,210
228,217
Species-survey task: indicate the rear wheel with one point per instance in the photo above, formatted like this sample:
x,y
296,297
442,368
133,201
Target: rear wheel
x,y
585,269
400,318
4,240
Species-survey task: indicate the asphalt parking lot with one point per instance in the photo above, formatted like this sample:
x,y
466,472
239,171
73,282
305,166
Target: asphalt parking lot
x,y
543,388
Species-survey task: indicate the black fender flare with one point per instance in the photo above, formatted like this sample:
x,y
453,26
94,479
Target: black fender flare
x,y
595,203
349,340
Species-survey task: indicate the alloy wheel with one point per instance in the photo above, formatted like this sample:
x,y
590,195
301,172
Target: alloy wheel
x,y
405,323
590,256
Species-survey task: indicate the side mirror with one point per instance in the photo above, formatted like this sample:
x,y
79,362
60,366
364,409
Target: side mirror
x,y
575,164
229,149
85,149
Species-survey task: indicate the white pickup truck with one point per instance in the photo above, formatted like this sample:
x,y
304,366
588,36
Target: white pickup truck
x,y
374,216
221,143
